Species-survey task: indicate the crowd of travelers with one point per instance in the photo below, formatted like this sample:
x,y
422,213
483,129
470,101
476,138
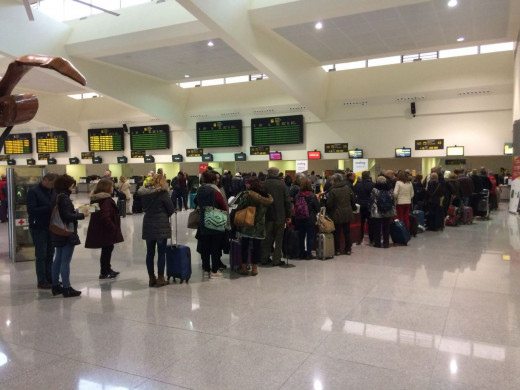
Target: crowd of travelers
x,y
280,203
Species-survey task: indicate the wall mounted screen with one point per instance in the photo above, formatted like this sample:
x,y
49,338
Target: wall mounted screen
x,y
403,152
150,137
277,130
52,142
455,151
18,143
106,140
275,156
355,153
219,134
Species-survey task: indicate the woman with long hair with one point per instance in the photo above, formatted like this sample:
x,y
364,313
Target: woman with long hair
x,y
158,208
255,196
124,187
64,245
403,194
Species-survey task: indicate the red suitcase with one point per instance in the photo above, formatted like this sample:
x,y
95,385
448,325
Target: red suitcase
x,y
453,218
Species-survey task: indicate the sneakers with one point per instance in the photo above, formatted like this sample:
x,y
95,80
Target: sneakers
x,y
69,292
217,274
57,290
110,275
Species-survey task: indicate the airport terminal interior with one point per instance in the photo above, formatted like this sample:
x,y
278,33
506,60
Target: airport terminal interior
x,y
301,85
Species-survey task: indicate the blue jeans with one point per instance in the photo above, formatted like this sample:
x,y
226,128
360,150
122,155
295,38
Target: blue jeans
x,y
61,265
44,253
161,256
306,234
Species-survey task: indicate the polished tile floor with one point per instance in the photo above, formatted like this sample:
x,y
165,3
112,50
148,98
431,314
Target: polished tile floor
x,y
442,313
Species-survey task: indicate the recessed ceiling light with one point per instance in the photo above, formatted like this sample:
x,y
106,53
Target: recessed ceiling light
x,y
460,39
453,3
186,75
318,26
210,43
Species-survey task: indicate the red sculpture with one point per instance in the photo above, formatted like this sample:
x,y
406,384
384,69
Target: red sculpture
x,y
17,109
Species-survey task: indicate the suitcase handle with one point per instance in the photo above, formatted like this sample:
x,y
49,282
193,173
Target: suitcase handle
x,y
171,230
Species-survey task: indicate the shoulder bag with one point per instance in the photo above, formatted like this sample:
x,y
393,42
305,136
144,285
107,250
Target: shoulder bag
x,y
324,223
215,219
245,217
194,219
57,226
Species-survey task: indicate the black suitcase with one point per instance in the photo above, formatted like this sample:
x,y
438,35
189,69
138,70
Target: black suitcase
x,y
291,243
178,260
137,206
121,206
399,233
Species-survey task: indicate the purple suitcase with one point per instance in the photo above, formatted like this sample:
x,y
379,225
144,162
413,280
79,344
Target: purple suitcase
x,y
235,254
178,260
467,215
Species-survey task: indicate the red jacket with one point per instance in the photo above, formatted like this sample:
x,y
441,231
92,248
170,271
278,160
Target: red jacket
x,y
3,183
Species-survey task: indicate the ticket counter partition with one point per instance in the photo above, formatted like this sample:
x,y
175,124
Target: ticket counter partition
x,y
19,181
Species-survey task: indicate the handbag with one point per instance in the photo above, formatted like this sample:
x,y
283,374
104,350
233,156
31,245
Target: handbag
x,y
215,219
324,223
245,217
194,219
57,226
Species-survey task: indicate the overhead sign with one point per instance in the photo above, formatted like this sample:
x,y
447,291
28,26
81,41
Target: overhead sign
x,y
336,148
429,144
359,165
302,165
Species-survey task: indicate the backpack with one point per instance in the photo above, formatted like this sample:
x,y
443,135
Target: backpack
x,y
384,202
301,209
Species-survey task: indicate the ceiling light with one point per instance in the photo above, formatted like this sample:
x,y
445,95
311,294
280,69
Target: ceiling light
x,y
210,43
186,76
453,3
460,39
318,26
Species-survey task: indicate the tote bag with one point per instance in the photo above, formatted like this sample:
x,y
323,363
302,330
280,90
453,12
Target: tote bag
x,y
245,217
194,219
215,219
57,226
324,223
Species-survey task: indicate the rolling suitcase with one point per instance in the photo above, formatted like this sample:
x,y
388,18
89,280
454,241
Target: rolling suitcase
x,y
178,260
467,215
235,254
399,233
414,225
355,229
137,206
291,243
453,217
325,246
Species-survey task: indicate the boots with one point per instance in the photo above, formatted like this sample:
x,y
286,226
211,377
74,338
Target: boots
x,y
69,292
57,290
254,270
153,281
243,269
161,281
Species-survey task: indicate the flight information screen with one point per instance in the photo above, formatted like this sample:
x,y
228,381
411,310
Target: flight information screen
x,y
150,137
106,140
18,143
219,134
52,142
277,130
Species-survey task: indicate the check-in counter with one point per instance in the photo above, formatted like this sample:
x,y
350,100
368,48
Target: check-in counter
x,y
505,193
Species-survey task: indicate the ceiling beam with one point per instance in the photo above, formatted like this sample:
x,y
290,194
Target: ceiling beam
x,y
295,71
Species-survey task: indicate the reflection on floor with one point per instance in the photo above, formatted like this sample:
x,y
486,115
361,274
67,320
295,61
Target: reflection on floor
x,y
442,313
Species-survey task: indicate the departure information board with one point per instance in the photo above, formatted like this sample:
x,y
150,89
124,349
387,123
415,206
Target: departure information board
x,y
87,155
4,157
429,144
106,140
277,130
150,137
336,148
194,152
138,153
52,142
219,134
18,143
43,156
259,150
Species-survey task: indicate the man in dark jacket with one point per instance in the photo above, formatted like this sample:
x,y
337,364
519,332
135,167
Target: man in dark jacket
x,y
40,200
3,199
237,184
363,189
466,187
277,215
226,180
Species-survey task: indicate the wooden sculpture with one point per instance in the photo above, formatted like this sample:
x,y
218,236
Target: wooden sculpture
x,y
21,108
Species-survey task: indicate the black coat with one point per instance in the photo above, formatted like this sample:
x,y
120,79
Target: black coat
x,y
158,208
104,228
363,190
40,202
68,214
280,209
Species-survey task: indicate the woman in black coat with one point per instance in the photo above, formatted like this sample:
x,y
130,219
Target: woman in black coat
x,y
435,214
104,228
64,185
339,208
306,227
157,207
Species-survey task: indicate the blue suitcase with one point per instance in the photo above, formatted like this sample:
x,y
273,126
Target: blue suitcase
x,y
399,233
178,260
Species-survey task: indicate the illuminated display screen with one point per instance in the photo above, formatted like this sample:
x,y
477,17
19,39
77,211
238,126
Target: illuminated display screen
x,y
455,151
150,137
106,140
355,153
52,142
315,155
258,150
336,148
240,157
403,152
275,156
138,153
18,144
508,148
194,152
87,155
219,134
429,144
277,130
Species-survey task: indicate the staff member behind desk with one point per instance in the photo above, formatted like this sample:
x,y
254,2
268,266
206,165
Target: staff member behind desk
x,y
64,245
40,202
